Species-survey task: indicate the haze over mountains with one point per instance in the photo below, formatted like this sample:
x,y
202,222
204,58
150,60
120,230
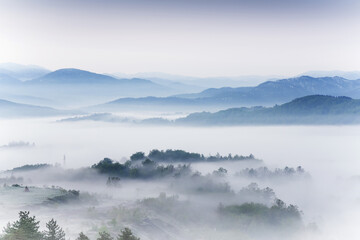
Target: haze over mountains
x,y
73,87
265,94
201,82
315,109
76,76
351,75
16,110
78,86
7,80
22,72
32,87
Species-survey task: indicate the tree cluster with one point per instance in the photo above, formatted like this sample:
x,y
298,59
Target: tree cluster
x,y
170,155
28,228
264,172
256,213
146,169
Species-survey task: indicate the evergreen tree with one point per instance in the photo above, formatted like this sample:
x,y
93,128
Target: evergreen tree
x,y
54,231
23,229
104,236
82,236
127,234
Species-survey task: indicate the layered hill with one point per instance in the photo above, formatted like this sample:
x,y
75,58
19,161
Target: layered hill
x,y
10,109
8,80
314,109
266,94
74,87
285,89
77,76
22,72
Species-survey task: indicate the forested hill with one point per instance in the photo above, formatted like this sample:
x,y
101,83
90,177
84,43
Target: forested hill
x,y
315,109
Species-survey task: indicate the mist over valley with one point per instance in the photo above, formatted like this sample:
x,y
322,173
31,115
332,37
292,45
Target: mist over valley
x,y
179,120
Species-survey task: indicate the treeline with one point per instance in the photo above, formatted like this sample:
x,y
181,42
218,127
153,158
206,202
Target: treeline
x,y
264,172
145,169
240,215
183,156
30,167
28,228
148,168
254,214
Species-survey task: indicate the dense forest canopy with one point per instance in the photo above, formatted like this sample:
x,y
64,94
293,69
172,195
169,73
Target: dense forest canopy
x,y
170,155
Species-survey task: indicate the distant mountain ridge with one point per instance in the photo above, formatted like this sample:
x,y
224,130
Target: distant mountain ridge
x,y
10,109
308,110
22,72
74,86
266,94
77,76
8,80
314,109
78,88
203,82
287,89
351,75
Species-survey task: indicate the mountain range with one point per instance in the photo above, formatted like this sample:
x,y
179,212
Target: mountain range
x,y
76,76
314,109
351,75
75,87
200,82
10,109
71,88
22,72
8,80
265,94
308,110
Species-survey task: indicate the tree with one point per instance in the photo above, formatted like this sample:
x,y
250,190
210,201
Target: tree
x,y
54,231
23,229
221,172
127,234
137,156
148,163
104,236
82,236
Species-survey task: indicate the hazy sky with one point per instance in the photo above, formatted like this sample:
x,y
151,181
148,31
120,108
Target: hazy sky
x,y
188,37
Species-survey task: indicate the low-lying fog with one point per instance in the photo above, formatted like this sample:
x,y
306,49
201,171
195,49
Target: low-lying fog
x,y
329,197
85,143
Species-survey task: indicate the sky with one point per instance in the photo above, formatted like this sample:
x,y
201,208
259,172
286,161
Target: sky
x,y
189,37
